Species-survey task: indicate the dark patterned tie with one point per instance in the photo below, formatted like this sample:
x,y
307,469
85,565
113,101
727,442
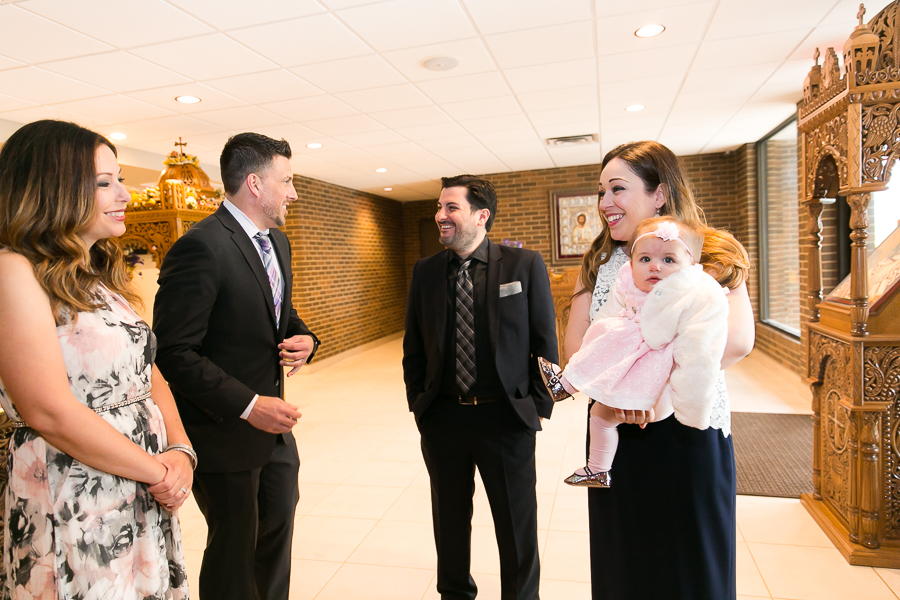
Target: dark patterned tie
x,y
465,329
272,272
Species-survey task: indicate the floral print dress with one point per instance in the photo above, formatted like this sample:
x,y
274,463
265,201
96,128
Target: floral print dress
x,y
74,532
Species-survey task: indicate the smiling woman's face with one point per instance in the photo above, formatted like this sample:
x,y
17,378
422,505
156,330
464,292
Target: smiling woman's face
x,y
624,199
111,199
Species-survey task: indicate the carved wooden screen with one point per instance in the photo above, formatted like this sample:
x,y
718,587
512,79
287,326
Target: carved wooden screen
x,y
849,121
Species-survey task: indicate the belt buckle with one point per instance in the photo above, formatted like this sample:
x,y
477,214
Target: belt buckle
x,y
462,401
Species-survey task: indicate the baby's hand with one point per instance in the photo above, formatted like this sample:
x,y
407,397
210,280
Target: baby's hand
x,y
635,417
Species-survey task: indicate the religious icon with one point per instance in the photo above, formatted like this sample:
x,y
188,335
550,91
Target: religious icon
x,y
576,222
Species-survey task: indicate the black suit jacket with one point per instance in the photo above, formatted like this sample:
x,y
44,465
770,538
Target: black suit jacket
x,y
218,343
522,326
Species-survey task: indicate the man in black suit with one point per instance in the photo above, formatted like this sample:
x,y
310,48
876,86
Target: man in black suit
x,y
477,318
226,326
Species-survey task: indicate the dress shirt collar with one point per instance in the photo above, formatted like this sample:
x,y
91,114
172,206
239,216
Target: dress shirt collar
x,y
246,224
480,253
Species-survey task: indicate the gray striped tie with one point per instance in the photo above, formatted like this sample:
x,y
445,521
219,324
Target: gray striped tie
x,y
465,329
272,271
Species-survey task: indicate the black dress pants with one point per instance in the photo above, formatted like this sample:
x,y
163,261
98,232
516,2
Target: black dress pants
x,y
455,440
250,516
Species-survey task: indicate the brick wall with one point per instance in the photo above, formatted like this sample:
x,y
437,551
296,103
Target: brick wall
x,y
413,214
747,214
523,198
349,274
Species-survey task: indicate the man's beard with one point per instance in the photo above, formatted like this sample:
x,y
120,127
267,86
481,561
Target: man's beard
x,y
461,240
274,213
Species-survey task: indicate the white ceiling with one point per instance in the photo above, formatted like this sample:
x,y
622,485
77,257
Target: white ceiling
x,y
348,74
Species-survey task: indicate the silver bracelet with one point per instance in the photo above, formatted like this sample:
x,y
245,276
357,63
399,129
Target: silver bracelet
x,y
191,454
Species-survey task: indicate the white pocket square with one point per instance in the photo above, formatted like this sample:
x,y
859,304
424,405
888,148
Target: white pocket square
x,y
508,289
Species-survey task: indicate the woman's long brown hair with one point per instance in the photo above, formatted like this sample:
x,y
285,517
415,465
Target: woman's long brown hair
x,y
48,188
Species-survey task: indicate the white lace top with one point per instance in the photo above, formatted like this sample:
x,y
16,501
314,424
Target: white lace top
x,y
606,281
603,291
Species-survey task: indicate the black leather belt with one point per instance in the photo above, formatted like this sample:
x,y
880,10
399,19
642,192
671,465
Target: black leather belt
x,y
474,400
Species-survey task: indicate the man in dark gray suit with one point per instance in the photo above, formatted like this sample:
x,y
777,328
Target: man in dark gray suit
x,y
226,326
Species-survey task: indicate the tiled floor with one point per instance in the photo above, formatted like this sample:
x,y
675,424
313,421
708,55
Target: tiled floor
x,y
363,526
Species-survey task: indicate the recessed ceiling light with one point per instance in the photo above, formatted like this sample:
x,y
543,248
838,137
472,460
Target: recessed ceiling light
x,y
389,189
635,107
188,99
314,145
649,31
117,136
381,170
440,63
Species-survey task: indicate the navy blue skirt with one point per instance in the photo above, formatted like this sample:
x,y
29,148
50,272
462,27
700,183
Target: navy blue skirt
x,y
666,528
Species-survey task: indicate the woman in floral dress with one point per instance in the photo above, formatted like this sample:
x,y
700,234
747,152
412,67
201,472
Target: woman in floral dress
x,y
99,461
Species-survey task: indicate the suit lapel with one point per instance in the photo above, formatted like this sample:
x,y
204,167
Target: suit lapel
x,y
251,255
492,293
439,302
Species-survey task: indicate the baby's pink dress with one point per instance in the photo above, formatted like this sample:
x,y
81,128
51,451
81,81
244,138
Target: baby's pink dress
x,y
614,365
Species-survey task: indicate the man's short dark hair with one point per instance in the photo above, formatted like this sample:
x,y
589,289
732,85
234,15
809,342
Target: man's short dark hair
x,y
247,153
479,192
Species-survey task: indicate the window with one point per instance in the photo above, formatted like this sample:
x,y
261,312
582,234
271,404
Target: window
x,y
779,228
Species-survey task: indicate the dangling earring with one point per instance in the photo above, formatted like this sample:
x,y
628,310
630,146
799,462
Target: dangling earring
x,y
657,211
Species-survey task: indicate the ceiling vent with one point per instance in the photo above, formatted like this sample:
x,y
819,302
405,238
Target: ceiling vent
x,y
574,140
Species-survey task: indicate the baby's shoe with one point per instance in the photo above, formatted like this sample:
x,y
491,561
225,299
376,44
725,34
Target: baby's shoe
x,y
600,479
550,375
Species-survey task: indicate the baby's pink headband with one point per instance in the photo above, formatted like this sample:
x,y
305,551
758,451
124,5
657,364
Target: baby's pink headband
x,y
667,231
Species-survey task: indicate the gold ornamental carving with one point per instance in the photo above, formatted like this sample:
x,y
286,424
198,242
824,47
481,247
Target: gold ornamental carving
x,y
891,474
814,252
823,85
882,384
835,421
837,353
186,169
885,26
881,141
849,128
881,374
156,217
562,281
826,152
837,434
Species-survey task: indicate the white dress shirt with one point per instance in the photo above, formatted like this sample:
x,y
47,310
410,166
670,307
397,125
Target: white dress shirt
x,y
251,230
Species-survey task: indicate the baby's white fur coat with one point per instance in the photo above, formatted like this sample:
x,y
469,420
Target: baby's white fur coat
x,y
689,309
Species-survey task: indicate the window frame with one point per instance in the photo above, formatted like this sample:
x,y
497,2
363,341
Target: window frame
x,y
762,197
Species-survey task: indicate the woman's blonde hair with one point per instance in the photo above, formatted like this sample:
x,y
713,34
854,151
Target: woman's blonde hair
x,y
724,257
658,166
48,189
